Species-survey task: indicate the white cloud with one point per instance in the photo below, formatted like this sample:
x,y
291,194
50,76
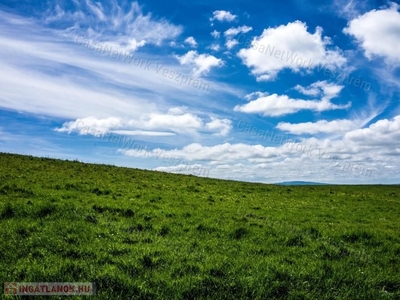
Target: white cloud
x,y
311,91
202,63
175,44
235,31
179,110
278,105
321,89
382,133
231,32
349,9
334,161
215,47
321,126
37,63
220,153
361,156
231,43
216,34
91,125
142,133
125,26
185,123
191,41
288,46
176,121
224,126
223,15
255,95
34,74
372,151
378,33
97,9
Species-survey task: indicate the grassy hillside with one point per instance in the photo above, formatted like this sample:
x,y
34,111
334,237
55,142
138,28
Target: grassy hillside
x,y
151,235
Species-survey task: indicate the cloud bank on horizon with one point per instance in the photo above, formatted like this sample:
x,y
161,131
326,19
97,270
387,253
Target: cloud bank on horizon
x,y
254,91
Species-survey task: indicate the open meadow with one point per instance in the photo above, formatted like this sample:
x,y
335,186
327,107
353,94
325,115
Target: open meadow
x,y
150,235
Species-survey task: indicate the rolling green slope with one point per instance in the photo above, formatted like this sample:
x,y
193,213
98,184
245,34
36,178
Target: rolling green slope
x,y
151,235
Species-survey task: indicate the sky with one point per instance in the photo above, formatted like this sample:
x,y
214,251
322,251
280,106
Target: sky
x,y
258,91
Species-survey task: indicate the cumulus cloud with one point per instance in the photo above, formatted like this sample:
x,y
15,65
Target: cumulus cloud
x,y
321,126
311,91
223,152
175,121
320,89
231,32
91,126
235,31
215,47
362,155
278,105
202,63
191,41
216,34
222,126
223,16
99,127
378,33
288,46
231,43
185,123
381,133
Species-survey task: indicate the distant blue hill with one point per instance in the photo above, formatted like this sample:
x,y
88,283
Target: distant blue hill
x,y
300,183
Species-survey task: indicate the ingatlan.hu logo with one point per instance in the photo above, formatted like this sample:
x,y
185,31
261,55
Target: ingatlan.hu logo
x,y
49,288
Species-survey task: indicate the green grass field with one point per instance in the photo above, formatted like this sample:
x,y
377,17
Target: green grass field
x,y
151,235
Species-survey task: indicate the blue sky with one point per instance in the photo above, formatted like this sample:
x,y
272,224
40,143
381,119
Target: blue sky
x,y
263,91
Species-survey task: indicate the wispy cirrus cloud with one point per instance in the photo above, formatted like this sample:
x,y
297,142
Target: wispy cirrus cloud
x,y
49,74
123,24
